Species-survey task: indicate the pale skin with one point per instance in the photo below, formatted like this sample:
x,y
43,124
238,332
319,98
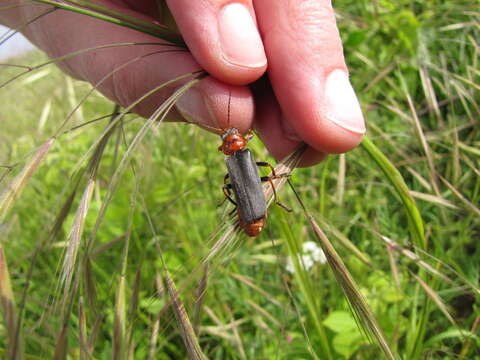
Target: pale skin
x,y
307,96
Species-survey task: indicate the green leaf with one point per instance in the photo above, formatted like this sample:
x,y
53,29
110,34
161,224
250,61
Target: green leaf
x,y
348,343
340,322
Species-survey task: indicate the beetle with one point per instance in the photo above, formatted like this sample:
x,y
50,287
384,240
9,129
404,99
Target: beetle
x,y
245,182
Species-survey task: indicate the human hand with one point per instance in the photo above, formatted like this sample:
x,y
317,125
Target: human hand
x,y
307,96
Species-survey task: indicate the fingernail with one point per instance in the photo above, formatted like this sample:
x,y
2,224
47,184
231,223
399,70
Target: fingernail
x,y
288,130
342,105
193,107
239,37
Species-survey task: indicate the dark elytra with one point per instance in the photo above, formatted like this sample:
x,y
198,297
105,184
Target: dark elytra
x,y
247,186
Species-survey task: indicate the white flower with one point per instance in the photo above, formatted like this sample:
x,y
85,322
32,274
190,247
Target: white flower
x,y
311,253
316,253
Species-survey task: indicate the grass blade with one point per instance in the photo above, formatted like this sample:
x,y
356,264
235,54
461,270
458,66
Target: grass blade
x,y
102,13
393,175
304,282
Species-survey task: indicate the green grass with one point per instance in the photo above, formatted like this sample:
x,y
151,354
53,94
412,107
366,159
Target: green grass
x,y
415,186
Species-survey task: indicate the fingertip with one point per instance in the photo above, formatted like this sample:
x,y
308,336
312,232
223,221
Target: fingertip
x,y
341,103
223,37
327,136
327,115
240,40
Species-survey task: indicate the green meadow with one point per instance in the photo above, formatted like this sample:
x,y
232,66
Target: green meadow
x,y
116,242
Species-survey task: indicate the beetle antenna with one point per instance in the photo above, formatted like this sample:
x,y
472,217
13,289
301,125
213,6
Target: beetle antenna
x,y
228,111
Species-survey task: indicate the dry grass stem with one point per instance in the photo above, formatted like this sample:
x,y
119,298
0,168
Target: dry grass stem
x,y
152,346
342,164
157,117
14,189
186,329
264,313
82,333
357,301
467,204
238,343
345,242
119,327
95,330
199,298
430,93
353,294
433,199
436,299
75,236
467,345
14,346
250,282
425,146
415,258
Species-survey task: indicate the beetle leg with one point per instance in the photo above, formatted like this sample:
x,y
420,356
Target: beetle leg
x,y
249,135
228,193
274,175
269,179
266,164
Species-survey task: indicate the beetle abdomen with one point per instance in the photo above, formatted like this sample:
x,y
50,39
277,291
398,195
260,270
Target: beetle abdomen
x,y
247,186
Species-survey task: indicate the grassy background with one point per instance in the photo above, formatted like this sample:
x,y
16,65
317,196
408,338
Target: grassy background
x,y
423,51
